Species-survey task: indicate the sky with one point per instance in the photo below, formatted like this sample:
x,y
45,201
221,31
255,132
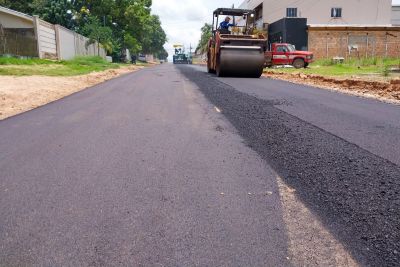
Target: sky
x,y
182,19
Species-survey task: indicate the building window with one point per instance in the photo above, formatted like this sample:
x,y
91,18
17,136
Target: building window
x,y
291,12
336,12
259,12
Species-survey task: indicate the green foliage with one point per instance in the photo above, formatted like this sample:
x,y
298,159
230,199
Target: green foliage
x,y
120,24
24,6
364,66
386,71
76,66
132,44
98,33
25,61
55,11
153,36
162,55
205,36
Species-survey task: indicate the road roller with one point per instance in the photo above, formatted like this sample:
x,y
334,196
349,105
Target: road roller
x,y
236,48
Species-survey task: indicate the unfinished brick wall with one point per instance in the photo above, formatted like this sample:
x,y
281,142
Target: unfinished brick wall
x,y
354,43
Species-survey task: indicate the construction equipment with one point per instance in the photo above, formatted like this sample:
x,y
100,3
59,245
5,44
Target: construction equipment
x,y
236,51
180,56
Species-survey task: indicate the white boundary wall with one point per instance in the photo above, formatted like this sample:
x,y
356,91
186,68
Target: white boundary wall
x,y
72,44
57,42
47,40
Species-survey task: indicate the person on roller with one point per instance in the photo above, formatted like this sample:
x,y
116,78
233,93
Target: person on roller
x,y
225,24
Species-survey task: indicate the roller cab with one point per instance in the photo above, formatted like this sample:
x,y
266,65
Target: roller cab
x,y
235,51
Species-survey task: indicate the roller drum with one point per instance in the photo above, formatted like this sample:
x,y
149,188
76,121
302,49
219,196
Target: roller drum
x,y
241,61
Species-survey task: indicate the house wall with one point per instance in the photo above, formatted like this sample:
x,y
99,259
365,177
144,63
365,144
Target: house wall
x,y
365,12
329,43
10,21
396,15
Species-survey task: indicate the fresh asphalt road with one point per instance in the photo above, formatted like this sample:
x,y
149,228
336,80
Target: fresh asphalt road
x,y
138,171
143,171
370,124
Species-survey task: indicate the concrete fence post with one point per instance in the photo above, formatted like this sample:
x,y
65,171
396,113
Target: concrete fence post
x,y
327,45
36,27
75,44
58,44
386,44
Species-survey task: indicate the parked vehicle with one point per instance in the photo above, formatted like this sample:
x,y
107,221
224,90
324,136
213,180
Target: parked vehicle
x,y
286,54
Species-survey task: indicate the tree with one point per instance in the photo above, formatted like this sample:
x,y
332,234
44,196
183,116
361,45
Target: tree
x,y
56,11
132,44
119,24
153,36
24,6
162,55
205,36
98,33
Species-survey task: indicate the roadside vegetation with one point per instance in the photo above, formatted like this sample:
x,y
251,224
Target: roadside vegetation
x,y
351,67
116,25
76,66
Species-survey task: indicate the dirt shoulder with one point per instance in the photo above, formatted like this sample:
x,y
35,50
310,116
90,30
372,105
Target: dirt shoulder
x,y
22,93
388,91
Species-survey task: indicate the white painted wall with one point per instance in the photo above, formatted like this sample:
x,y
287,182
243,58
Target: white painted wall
x,y
54,41
10,21
47,39
71,44
66,41
354,12
82,49
396,15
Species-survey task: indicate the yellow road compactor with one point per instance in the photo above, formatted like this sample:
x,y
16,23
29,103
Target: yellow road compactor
x,y
235,49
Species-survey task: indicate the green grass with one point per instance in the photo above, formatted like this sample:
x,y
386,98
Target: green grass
x,y
18,61
76,66
350,67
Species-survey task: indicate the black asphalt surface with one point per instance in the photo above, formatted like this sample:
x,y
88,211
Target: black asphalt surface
x,y
306,134
143,171
138,171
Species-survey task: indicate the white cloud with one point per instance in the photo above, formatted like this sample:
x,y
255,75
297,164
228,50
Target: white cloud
x,y
182,19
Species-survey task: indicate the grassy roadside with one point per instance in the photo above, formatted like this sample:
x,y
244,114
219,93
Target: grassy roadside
x,y
76,66
363,67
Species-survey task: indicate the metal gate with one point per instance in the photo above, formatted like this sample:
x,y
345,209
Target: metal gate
x,y
17,44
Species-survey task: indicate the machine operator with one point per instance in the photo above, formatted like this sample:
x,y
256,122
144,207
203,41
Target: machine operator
x,y
225,24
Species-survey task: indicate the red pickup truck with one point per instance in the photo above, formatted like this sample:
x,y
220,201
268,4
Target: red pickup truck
x,y
286,54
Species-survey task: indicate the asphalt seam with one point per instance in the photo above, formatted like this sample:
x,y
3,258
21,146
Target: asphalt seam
x,y
359,209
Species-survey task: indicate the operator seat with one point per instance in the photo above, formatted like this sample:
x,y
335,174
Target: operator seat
x,y
224,31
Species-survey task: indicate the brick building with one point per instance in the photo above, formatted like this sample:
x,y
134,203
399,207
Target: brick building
x,y
344,28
